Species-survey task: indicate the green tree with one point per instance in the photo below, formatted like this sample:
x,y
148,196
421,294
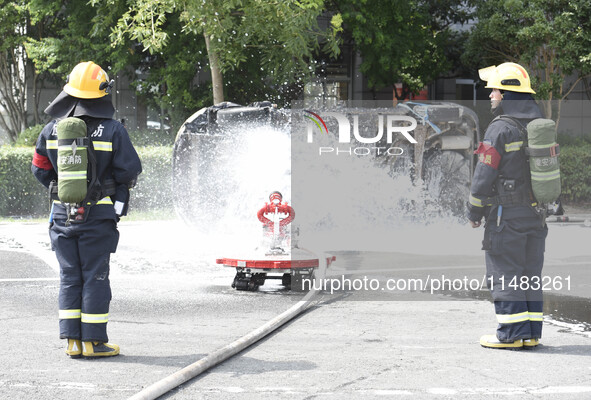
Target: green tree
x,y
552,38
284,34
13,59
65,34
166,80
401,41
60,35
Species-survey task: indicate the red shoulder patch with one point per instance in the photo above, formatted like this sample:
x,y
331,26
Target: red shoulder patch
x,y
488,155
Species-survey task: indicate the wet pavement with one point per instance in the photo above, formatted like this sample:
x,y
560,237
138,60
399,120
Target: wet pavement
x,y
173,305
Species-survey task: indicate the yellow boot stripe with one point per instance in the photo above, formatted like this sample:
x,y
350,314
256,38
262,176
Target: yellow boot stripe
x,y
95,318
512,318
69,314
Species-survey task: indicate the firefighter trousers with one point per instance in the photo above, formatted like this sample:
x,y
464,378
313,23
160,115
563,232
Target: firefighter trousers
x,y
83,251
514,260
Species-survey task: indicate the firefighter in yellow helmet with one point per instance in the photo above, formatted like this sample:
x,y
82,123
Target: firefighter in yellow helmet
x,y
515,231
84,234
507,76
88,81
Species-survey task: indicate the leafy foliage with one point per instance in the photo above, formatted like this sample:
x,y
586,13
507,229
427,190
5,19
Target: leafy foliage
x,y
281,37
166,80
552,38
575,169
29,136
13,28
402,41
22,195
154,187
267,49
62,34
152,137
78,32
65,34
568,139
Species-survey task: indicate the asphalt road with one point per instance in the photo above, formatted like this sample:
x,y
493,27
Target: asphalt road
x,y
172,305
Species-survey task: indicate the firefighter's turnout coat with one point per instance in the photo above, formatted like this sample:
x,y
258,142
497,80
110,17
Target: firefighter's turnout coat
x,y
83,249
514,238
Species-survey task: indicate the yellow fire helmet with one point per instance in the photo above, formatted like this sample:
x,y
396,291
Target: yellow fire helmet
x,y
88,81
506,76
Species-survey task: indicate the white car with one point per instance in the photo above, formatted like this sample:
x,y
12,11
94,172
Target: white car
x,y
156,125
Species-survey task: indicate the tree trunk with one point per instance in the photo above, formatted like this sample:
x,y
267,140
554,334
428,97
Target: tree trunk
x,y
217,79
36,97
12,93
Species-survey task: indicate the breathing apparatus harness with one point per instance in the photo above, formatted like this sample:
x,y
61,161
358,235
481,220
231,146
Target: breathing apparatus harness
x,y
512,192
96,188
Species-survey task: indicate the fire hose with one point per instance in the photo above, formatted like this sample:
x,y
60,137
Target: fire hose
x,y
178,378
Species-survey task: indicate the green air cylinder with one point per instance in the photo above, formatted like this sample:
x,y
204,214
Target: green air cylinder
x,y
543,160
72,160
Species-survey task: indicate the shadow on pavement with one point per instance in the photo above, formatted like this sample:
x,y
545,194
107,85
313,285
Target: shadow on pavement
x,y
576,350
165,361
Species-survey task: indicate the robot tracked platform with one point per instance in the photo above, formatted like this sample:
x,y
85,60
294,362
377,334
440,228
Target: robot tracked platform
x,y
293,265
